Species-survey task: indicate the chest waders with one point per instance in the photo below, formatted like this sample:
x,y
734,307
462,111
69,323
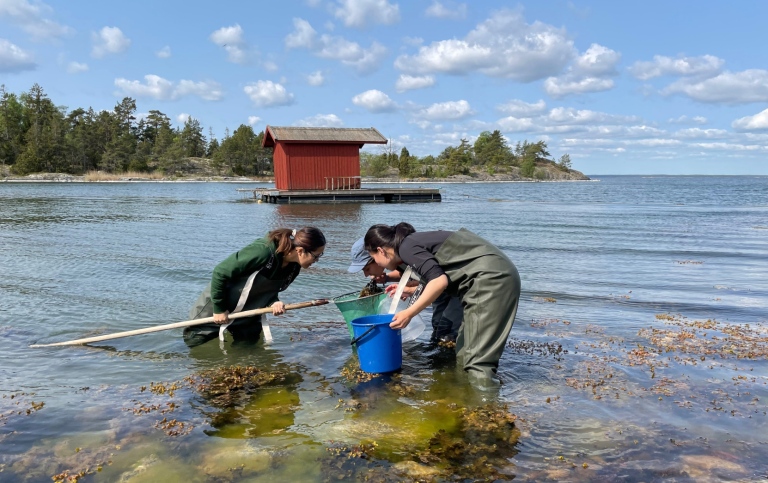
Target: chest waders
x,y
489,287
263,293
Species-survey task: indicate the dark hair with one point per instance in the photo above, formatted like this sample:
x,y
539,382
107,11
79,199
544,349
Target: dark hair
x,y
308,238
387,236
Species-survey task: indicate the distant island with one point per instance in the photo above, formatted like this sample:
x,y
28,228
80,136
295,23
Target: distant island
x,y
42,142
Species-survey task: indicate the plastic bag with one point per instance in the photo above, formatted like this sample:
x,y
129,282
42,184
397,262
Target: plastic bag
x,y
414,329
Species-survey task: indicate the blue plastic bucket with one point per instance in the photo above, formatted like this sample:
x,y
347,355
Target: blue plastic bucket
x,y
379,348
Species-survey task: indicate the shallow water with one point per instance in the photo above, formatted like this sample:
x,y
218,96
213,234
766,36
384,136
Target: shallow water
x,y
612,369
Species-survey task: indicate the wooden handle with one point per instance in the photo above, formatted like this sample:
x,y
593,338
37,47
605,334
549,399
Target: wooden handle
x,y
176,325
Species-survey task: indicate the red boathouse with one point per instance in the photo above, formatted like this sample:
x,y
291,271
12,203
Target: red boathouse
x,y
318,158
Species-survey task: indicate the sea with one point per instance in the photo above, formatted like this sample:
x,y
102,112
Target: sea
x,y
639,352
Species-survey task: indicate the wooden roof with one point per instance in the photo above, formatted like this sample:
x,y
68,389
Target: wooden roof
x,y
321,135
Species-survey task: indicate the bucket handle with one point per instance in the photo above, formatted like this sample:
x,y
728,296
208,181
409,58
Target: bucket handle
x,y
362,335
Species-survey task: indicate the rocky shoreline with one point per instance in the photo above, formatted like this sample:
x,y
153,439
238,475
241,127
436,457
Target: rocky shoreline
x,y
69,178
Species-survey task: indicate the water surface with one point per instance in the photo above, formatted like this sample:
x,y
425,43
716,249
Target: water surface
x,y
639,351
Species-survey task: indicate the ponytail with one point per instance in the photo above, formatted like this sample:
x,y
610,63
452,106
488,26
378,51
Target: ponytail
x,y
309,238
387,236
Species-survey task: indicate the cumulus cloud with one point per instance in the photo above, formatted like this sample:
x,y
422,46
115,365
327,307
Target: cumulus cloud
x,y
231,40
359,13
704,66
688,120
162,89
76,67
584,116
751,123
32,18
14,59
409,82
589,72
316,78
562,86
164,53
335,48
698,133
182,118
109,40
516,124
447,9
446,111
522,109
374,101
728,87
268,94
253,120
501,46
320,120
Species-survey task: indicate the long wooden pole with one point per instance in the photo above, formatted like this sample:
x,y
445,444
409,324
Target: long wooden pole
x,y
176,325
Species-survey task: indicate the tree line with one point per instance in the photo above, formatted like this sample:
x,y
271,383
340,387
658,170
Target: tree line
x,y
38,136
490,153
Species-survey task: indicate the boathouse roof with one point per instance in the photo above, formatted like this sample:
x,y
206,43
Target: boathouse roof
x,y
321,135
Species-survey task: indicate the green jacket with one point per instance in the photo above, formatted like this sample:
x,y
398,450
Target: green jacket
x,y
232,273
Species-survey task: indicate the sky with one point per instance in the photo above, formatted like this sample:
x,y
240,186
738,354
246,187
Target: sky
x,y
652,87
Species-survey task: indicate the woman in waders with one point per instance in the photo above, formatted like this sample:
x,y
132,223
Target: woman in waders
x,y
446,310
251,279
464,265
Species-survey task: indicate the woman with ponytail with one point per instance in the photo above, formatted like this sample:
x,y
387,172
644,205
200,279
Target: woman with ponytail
x,y
462,264
251,279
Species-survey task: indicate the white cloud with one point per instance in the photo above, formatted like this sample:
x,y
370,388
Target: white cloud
x,y
414,41
76,67
109,40
502,46
162,89
182,118
516,124
576,116
268,94
270,66
562,86
320,120
316,78
688,120
408,82
698,133
447,9
335,48
597,61
164,53
522,109
374,101
704,66
444,111
14,59
32,19
231,40
359,13
589,73
728,87
749,123
253,120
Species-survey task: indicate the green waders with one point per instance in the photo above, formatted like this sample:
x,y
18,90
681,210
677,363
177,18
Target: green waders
x,y
262,294
489,287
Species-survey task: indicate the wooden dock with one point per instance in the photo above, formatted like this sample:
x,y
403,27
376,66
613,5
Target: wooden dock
x,y
361,195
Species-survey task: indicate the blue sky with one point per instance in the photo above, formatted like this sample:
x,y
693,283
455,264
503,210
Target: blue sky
x,y
623,87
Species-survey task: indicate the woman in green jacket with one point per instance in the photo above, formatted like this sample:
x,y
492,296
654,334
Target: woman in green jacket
x,y
251,279
462,264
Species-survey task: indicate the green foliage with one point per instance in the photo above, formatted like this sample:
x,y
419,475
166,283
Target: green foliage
x,y
564,163
491,149
528,166
375,165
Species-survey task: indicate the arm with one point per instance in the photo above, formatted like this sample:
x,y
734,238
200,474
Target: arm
x,y
432,290
236,266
